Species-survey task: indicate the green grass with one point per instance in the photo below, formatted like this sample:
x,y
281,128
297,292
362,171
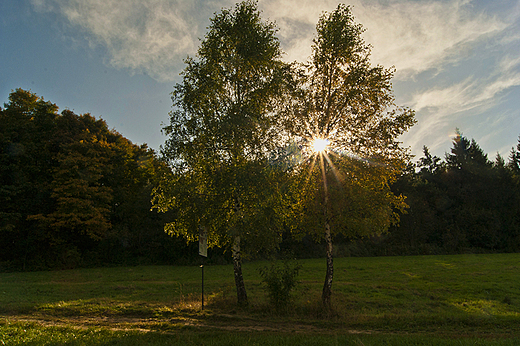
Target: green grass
x,y
424,300
32,334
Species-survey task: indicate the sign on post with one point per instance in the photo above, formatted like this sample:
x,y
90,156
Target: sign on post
x,y
203,242
203,251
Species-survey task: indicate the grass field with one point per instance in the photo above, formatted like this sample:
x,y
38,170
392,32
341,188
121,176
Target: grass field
x,y
424,300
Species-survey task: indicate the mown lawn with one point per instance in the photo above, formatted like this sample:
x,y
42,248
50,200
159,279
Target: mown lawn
x,y
423,300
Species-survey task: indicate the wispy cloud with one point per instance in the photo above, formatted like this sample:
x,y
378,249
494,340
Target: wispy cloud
x,y
465,95
155,35
441,109
150,36
413,36
423,35
296,20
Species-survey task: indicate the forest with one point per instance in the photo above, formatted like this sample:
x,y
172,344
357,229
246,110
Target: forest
x,y
75,193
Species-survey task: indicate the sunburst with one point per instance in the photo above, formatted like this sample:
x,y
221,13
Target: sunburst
x,y
319,148
320,145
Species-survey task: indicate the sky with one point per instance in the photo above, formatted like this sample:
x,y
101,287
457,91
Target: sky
x,y
457,61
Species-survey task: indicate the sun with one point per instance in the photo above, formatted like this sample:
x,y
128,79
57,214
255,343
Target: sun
x,y
320,144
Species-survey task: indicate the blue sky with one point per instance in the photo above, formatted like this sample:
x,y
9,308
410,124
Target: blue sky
x,y
457,61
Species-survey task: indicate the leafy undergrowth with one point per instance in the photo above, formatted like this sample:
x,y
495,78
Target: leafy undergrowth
x,y
472,299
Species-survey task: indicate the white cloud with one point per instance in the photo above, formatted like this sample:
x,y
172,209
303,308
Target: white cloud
x,y
296,20
466,95
469,103
418,36
155,35
413,36
509,64
453,98
479,91
151,36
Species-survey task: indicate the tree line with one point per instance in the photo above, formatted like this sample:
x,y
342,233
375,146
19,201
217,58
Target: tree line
x,y
464,202
73,192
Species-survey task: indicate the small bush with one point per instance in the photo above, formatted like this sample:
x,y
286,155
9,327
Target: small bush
x,y
280,281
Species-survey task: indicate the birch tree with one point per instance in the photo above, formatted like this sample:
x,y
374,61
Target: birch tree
x,y
348,126
221,133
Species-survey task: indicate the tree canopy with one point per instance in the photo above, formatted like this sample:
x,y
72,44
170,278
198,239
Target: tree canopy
x,y
240,112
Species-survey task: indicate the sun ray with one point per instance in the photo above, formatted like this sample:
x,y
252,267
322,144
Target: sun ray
x,y
318,147
324,175
335,171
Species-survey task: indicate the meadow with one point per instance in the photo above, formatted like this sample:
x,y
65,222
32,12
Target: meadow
x,y
422,300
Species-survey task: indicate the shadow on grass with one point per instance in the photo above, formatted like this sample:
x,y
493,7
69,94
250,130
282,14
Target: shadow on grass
x,y
17,334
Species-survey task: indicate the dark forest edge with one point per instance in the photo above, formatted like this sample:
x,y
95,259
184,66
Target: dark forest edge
x,y
75,193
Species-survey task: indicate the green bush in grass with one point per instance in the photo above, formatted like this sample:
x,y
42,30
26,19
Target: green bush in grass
x,y
280,280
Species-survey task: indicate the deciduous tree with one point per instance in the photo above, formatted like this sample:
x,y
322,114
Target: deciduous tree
x,y
347,107
221,133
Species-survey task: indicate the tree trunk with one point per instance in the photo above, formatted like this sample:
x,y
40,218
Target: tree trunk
x,y
237,268
327,286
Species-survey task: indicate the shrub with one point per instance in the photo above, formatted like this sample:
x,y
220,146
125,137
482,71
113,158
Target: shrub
x,y
280,281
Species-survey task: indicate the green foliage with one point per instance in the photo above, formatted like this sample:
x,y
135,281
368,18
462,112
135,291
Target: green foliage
x,y
280,280
463,204
350,103
221,132
220,136
73,191
345,189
